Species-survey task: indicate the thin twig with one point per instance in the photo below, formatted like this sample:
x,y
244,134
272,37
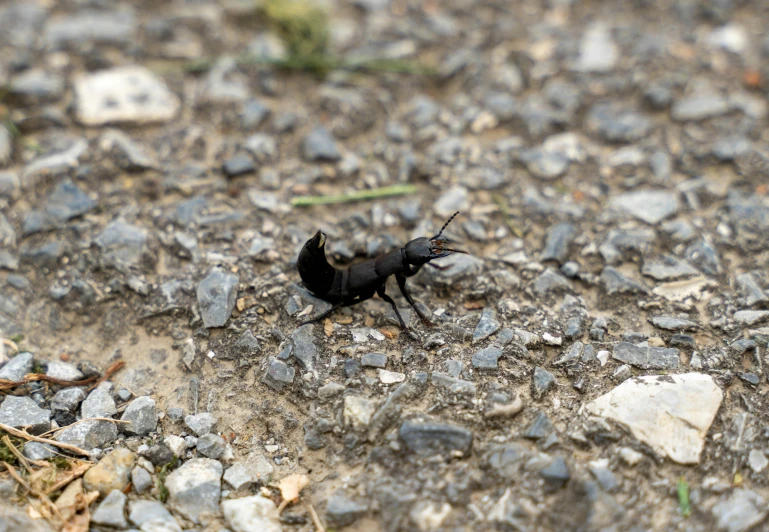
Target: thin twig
x,y
383,192
32,377
315,519
78,471
37,493
30,437
20,457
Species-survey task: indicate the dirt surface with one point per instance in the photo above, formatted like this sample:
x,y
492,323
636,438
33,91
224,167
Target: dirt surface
x,y
542,123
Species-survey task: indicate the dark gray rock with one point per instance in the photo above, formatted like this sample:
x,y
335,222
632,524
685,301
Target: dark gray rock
x,y
238,164
571,356
320,146
305,351
160,454
487,325
352,368
318,305
539,428
23,411
487,359
542,382
374,360
123,245
342,511
212,446
429,439
556,475
216,297
559,239
646,357
278,375
616,283
703,255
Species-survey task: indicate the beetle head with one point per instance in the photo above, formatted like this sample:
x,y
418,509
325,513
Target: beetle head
x,y
423,250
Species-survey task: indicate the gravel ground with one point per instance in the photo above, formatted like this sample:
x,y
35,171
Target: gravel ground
x,y
596,361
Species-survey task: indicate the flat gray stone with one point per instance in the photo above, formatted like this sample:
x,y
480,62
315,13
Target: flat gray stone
x,y
751,317
99,402
542,382
670,323
305,351
63,371
239,476
141,479
488,324
195,487
200,424
141,511
68,399
278,375
211,446
320,146
39,451
650,206
124,245
90,434
487,359
342,511
646,357
668,268
20,412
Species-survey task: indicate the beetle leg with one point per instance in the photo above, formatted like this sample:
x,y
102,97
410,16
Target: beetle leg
x,y
381,293
402,285
325,314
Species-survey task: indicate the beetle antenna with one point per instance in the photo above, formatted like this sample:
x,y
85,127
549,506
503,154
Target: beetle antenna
x,y
444,226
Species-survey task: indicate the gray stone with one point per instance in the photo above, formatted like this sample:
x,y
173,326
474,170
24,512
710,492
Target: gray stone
x,y
194,488
750,289
99,402
699,106
211,446
141,479
90,434
542,382
238,164
616,283
487,325
549,281
23,411
263,147
111,511
539,428
374,360
556,475
668,268
342,511
142,511
17,367
123,245
254,113
67,399
751,317
452,384
455,198
704,256
239,476
305,351
216,296
621,241
487,359
571,356
545,165
60,160
38,85
142,415
200,424
128,154
278,375
459,267
646,357
616,124
727,149
63,371
39,451
740,510
559,239
175,414
95,27
224,84
320,146
429,439
670,323
650,206
249,514
126,94
605,477
357,412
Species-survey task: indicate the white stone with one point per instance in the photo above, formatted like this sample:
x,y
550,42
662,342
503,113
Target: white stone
x,y
670,413
603,357
358,411
757,460
123,94
630,456
176,444
249,514
552,340
681,290
390,377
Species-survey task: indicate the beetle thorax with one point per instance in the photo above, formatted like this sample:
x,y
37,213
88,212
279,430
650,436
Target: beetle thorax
x,y
418,251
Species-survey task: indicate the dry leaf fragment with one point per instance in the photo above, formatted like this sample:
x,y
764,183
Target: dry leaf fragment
x,y
290,487
344,320
328,327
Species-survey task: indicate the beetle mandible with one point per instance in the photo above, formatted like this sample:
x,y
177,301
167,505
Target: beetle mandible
x,y
360,282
